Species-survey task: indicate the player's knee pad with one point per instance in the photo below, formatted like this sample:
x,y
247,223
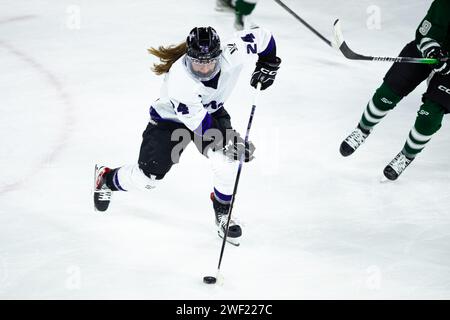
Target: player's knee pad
x,y
429,118
385,98
151,173
132,177
156,168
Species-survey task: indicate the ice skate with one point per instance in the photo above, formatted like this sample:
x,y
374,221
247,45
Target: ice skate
x,y
224,6
353,141
242,22
395,168
221,213
102,194
239,22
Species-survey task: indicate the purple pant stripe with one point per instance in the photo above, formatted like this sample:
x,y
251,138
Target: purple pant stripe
x,y
116,182
222,197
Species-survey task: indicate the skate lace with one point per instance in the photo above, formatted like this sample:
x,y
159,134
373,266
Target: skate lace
x,y
222,221
356,138
399,163
104,194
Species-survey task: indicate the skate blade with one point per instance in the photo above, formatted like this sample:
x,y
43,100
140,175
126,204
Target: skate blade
x,y
224,9
93,190
233,241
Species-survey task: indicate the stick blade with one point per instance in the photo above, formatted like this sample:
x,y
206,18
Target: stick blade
x,y
220,278
338,36
342,44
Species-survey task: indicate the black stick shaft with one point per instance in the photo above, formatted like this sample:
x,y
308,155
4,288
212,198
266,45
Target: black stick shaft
x,y
350,54
306,24
238,175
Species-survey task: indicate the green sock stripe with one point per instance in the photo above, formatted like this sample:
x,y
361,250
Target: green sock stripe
x,y
369,118
411,138
410,152
366,124
415,145
379,109
373,116
417,137
382,102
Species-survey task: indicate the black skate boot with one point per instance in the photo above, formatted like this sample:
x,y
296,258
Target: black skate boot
x,y
353,141
102,194
221,212
395,168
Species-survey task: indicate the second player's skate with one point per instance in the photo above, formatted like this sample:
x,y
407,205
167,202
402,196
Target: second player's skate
x,y
242,22
353,141
395,168
221,212
224,5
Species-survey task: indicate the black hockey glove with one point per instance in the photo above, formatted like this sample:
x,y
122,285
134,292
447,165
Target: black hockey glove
x,y
265,73
236,147
222,120
214,137
436,52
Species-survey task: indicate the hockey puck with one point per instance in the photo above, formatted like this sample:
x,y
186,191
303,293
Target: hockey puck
x,y
209,280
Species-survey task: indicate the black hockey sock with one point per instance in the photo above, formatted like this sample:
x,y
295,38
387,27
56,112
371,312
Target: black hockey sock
x,y
109,179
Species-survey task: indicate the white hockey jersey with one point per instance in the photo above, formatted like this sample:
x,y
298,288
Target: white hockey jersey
x,y
187,100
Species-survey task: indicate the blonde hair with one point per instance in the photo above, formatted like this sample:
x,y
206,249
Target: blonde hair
x,y
167,55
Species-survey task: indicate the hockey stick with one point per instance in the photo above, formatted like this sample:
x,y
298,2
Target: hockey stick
x,y
238,175
350,54
306,24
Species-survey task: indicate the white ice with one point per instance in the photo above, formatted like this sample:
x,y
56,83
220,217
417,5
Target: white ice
x,y
75,87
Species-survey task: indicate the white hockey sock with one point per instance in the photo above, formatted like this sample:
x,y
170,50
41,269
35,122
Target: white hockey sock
x,y
131,177
224,174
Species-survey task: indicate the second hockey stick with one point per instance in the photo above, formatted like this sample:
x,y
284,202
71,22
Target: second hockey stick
x,y
306,24
350,54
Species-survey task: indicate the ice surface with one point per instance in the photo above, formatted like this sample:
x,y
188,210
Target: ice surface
x,y
75,90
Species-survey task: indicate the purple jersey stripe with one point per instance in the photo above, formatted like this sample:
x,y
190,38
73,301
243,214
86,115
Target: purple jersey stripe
x,y
269,48
205,125
156,117
222,197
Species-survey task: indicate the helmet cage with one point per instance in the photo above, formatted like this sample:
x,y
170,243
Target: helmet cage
x,y
199,67
203,50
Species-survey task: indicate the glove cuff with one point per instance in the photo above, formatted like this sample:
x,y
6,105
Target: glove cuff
x,y
427,45
273,64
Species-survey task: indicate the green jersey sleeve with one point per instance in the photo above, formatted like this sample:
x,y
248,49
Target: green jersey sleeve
x,y
435,26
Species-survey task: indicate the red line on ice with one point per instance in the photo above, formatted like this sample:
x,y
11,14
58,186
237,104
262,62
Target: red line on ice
x,y
68,119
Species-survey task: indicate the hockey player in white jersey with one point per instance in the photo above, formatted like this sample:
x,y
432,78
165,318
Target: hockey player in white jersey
x,y
200,75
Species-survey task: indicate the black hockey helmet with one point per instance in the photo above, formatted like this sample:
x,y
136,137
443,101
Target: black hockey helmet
x,y
203,53
203,43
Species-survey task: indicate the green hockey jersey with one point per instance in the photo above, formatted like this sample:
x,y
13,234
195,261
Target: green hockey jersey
x,y
435,26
